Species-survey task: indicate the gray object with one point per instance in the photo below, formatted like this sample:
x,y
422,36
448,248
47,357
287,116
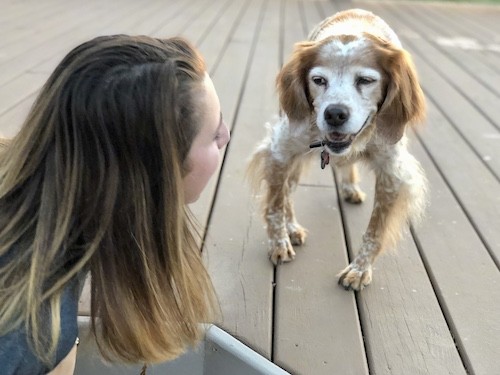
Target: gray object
x,y
218,354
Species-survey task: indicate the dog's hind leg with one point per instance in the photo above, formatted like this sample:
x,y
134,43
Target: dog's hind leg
x,y
349,179
295,231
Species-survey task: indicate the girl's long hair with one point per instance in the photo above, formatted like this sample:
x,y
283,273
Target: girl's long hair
x,y
93,181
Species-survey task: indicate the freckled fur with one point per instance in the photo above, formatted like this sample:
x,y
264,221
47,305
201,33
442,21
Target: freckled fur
x,y
342,47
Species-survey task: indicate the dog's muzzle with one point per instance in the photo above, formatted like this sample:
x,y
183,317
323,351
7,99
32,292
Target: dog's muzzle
x,y
338,142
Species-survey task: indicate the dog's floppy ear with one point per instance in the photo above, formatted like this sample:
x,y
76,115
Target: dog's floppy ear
x,y
404,100
291,82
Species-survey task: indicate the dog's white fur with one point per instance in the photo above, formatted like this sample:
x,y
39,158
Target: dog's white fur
x,y
353,87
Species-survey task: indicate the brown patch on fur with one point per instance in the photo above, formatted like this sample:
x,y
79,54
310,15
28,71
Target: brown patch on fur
x,y
404,100
292,81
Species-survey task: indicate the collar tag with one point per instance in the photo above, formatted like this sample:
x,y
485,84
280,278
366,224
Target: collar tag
x,y
325,158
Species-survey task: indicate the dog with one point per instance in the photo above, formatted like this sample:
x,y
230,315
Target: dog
x,y
348,93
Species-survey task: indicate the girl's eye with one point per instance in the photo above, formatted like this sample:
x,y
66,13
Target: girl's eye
x,y
222,136
319,81
219,135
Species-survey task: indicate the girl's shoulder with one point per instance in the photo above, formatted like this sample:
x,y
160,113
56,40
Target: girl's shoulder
x,y
16,355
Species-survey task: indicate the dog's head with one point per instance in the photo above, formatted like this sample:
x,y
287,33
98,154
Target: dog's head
x,y
349,83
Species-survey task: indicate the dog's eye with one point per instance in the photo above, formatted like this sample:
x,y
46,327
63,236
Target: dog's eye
x,y
320,81
360,81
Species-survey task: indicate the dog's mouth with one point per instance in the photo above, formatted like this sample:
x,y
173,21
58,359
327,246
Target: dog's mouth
x,y
335,141
338,142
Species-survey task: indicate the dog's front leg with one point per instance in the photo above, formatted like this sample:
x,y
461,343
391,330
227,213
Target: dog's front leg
x,y
399,195
277,162
358,274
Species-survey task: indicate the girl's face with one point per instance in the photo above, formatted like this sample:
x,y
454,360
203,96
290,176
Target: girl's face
x,y
213,135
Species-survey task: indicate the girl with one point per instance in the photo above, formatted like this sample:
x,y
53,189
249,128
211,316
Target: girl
x,y
125,132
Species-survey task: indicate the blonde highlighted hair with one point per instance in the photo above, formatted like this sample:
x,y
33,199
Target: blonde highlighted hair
x,y
93,181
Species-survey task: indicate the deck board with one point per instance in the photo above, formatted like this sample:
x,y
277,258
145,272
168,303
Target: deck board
x,y
230,76
240,270
43,20
449,85
459,266
460,134
402,311
433,305
304,290
307,292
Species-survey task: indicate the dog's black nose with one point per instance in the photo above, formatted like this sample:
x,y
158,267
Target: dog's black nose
x,y
336,115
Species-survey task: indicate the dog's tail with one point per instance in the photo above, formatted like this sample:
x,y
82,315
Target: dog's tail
x,y
257,165
418,192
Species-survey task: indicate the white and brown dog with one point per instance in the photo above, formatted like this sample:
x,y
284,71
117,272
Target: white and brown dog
x,y
349,92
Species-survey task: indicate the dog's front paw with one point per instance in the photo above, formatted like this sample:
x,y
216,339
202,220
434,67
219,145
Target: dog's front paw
x,y
352,193
355,277
281,251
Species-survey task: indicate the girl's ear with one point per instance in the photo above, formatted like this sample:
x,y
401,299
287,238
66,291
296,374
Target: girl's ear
x,y
404,101
292,82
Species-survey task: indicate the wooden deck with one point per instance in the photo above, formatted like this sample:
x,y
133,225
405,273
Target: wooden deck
x,y
434,305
